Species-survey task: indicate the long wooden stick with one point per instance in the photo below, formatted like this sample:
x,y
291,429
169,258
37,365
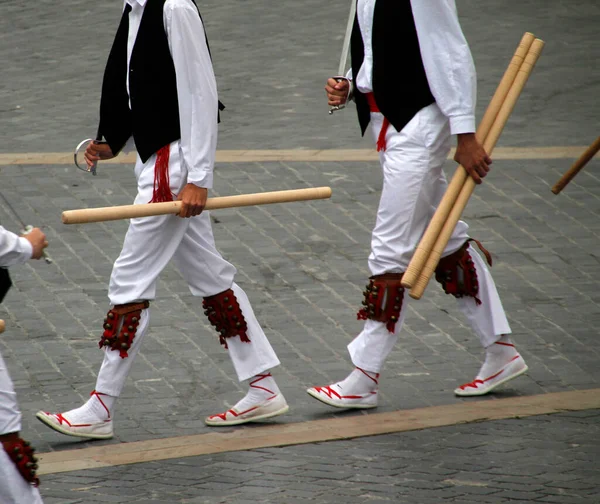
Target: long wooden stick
x,y
461,202
2,326
87,215
435,226
589,153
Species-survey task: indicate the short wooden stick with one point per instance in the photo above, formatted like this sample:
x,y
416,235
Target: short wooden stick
x,y
2,326
589,153
463,198
441,214
87,215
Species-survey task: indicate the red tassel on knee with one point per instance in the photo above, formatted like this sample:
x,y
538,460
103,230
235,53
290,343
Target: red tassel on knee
x,y
22,455
457,272
162,189
224,313
383,300
120,327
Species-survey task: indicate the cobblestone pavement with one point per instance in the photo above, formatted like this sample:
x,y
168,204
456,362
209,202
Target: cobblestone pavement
x,y
546,459
303,265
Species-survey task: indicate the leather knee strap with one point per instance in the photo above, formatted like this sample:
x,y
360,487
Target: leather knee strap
x,y
120,326
383,299
457,272
22,455
224,313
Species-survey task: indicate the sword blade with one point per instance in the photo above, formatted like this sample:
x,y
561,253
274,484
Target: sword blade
x,y
345,50
346,46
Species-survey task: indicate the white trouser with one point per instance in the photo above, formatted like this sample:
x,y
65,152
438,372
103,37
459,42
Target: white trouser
x,y
10,416
13,487
413,185
149,245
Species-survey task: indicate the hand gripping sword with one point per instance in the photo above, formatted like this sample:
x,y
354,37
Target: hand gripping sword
x,y
26,228
83,145
345,49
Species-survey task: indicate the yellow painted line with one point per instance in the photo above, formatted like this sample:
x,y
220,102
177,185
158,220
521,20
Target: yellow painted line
x,y
316,431
291,155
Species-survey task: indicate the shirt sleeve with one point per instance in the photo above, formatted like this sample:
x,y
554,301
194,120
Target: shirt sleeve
x,y
196,90
448,62
13,249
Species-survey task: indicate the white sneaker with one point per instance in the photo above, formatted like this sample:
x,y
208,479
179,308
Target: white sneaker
x,y
93,430
274,406
481,386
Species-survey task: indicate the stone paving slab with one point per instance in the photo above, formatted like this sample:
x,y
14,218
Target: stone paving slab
x,y
303,265
348,426
272,59
545,459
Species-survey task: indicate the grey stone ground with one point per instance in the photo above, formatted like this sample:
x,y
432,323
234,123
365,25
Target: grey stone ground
x,y
303,265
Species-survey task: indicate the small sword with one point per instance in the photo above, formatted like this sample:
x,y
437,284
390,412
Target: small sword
x,y
83,145
345,49
26,228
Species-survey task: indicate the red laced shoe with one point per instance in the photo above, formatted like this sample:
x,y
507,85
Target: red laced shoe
x,y
341,395
481,386
250,410
92,428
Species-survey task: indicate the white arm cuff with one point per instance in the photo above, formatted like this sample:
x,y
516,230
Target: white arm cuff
x,y
462,124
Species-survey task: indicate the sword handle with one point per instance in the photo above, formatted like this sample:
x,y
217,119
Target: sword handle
x,y
47,258
337,107
83,145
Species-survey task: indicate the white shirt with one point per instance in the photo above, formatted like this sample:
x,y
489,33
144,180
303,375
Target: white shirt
x,y
446,57
13,249
196,84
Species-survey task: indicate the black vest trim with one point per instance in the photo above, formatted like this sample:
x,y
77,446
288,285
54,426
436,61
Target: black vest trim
x,y
400,84
5,283
153,119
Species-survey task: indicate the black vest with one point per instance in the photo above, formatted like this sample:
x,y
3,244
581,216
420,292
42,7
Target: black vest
x,y
400,84
5,283
153,119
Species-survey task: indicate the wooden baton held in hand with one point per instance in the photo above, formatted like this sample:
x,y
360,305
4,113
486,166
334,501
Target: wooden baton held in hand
x,y
86,215
460,176
589,153
2,326
469,186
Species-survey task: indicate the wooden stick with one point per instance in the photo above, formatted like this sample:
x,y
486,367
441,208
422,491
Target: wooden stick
x,y
461,202
2,326
86,215
435,226
589,153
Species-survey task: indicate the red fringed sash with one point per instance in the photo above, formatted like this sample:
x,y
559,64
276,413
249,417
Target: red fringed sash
x,y
162,189
384,127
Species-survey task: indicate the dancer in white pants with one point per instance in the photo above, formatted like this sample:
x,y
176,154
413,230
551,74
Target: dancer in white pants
x,y
414,104
18,478
159,93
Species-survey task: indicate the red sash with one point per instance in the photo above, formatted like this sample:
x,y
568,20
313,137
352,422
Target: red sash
x,y
384,127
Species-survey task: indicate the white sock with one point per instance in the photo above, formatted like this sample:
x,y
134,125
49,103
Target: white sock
x,y
497,355
97,408
262,388
359,381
